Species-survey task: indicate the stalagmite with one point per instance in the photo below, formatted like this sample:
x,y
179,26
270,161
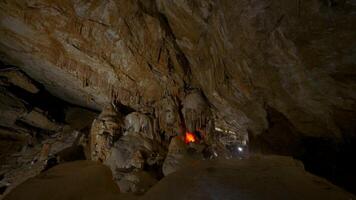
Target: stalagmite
x,y
104,131
165,84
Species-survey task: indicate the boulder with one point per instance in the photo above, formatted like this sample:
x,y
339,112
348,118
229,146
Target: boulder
x,y
136,161
140,123
135,151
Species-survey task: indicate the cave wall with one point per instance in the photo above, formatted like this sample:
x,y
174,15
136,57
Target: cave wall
x,y
244,56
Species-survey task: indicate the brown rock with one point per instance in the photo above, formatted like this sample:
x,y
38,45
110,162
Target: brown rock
x,y
37,118
75,180
256,178
241,55
104,130
18,78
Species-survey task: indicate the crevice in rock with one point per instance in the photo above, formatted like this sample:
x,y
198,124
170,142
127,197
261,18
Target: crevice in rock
x,y
181,58
281,136
43,100
331,159
322,156
154,12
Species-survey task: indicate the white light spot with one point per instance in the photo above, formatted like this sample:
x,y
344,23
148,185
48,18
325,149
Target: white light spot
x,y
218,129
240,149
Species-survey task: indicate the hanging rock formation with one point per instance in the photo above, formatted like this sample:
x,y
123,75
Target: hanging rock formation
x,y
138,52
242,64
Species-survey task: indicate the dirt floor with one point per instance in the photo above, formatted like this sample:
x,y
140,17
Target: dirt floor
x,y
256,178
76,180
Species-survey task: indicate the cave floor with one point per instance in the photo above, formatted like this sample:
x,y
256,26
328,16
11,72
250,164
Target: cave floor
x,y
258,177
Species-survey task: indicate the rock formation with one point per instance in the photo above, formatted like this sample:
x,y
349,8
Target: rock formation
x,y
276,75
105,129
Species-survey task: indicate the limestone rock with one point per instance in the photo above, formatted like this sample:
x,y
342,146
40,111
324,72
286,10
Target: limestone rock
x,y
104,131
129,159
167,113
243,56
134,151
18,78
196,112
11,108
37,118
11,141
140,123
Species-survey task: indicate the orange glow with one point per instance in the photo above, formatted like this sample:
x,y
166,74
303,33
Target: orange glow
x,y
189,137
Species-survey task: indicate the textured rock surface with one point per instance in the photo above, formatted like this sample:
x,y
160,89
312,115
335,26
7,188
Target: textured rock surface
x,y
105,129
130,145
294,57
253,62
33,134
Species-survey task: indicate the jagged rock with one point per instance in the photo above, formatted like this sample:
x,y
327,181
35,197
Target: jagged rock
x,y
243,56
11,108
127,148
128,159
14,109
167,114
140,123
104,131
18,78
37,118
11,142
31,158
134,151
139,52
196,112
